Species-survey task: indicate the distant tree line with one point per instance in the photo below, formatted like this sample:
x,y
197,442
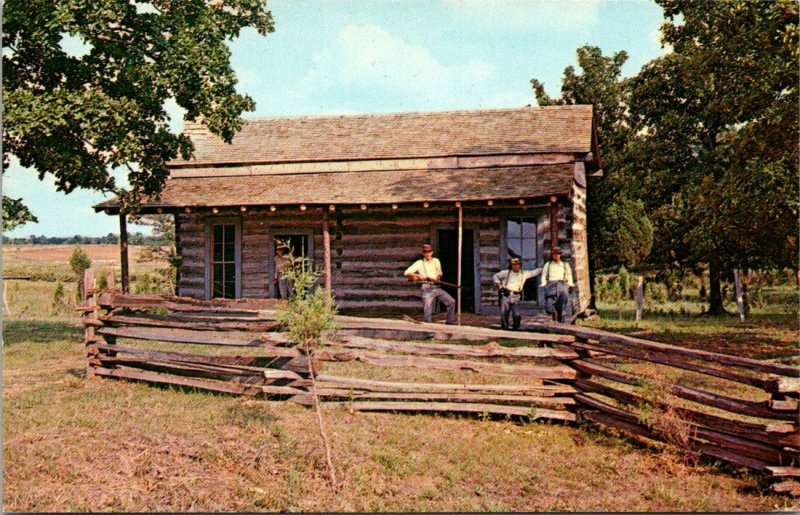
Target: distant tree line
x,y
109,239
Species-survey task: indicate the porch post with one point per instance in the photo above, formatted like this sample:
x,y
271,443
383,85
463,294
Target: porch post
x,y
326,249
553,222
460,246
123,251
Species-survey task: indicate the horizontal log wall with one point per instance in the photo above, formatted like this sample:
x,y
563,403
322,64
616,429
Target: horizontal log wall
x,y
370,248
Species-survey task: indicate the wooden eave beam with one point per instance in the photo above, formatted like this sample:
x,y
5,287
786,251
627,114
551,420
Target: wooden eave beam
x,y
508,202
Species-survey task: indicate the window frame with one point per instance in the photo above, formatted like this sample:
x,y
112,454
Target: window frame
x,y
209,275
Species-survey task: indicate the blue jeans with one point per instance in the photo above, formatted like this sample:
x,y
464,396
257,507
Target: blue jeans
x,y
556,299
508,305
430,293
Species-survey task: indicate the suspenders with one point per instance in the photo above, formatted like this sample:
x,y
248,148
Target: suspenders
x,y
547,276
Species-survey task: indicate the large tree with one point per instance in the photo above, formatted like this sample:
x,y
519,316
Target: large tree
x,y
719,155
78,117
619,230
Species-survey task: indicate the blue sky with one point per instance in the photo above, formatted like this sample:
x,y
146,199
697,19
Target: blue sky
x,y
387,56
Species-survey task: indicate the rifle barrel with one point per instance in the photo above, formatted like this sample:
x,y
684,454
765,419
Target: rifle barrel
x,y
436,281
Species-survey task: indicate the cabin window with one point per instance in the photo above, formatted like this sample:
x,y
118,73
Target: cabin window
x,y
223,261
521,243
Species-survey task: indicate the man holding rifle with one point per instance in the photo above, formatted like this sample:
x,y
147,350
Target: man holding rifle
x,y
428,270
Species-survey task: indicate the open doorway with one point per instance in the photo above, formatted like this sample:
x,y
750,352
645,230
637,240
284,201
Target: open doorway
x,y
298,246
447,252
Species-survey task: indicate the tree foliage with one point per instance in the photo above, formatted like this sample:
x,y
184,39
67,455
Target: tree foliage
x,y
15,213
626,233
77,117
619,230
703,141
719,155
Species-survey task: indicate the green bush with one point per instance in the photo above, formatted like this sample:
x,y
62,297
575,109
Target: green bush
x,y
625,282
102,282
609,289
674,282
656,292
79,262
310,311
59,298
159,281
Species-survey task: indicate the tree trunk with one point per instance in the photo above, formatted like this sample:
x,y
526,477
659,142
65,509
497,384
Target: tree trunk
x,y
715,290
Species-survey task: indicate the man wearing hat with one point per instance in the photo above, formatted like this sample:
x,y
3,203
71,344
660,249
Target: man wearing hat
x,y
428,270
510,283
283,262
557,282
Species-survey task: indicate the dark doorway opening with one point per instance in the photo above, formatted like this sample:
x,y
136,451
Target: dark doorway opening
x,y
298,247
297,242
447,252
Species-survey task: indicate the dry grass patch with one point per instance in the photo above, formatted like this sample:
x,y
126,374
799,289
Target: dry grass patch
x,y
72,444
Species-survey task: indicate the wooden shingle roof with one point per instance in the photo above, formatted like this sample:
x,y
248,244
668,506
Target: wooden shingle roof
x,y
401,135
384,158
374,187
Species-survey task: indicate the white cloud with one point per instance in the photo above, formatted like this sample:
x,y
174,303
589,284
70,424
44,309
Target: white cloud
x,y
367,62
557,15
74,46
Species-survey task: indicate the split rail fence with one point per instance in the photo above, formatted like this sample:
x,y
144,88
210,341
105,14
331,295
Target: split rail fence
x,y
739,410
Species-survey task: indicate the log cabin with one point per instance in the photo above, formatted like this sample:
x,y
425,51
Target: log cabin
x,y
360,194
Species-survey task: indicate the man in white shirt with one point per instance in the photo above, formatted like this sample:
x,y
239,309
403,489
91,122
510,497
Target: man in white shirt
x,y
283,262
557,281
510,284
428,270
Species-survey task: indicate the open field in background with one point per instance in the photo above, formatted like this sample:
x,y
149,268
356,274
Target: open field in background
x,y
73,444
51,262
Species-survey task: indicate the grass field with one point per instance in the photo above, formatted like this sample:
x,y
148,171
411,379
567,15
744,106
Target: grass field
x,y
71,444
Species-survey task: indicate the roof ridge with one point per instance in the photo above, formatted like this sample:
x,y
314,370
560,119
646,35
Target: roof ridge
x,y
401,113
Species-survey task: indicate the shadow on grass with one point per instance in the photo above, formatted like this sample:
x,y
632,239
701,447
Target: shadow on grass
x,y
38,331
736,343
760,336
80,373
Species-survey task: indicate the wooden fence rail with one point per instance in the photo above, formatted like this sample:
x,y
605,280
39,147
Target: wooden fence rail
x,y
736,409
238,349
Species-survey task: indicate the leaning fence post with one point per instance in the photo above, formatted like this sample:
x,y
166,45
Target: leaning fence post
x,y
111,287
639,299
739,301
90,320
